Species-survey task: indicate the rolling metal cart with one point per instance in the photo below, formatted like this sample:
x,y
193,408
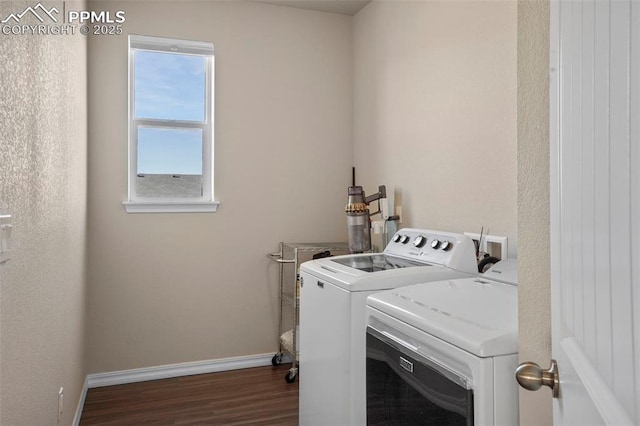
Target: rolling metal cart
x,y
289,258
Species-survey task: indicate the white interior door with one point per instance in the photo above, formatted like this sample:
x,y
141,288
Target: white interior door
x,y
595,210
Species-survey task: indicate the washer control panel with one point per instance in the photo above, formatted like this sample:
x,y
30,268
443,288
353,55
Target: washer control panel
x,y
439,247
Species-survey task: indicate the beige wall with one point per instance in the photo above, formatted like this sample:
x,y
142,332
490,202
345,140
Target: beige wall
x,y
43,147
533,201
170,288
435,111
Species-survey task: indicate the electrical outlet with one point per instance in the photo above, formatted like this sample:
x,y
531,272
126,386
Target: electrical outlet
x,y
60,403
5,233
492,245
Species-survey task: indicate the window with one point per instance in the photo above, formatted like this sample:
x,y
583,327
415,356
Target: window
x,y
170,125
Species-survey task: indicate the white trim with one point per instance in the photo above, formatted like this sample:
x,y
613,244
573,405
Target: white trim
x,y
177,370
171,207
80,407
171,45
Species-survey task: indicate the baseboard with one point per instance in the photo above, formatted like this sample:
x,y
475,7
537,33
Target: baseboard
x,y
83,397
177,370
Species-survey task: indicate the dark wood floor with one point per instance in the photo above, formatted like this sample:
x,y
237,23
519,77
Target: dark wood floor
x,y
254,396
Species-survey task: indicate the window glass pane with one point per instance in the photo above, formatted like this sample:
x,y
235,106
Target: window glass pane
x,y
169,86
169,162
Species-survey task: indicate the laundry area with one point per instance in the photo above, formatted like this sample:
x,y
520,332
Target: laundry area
x,y
343,302
344,192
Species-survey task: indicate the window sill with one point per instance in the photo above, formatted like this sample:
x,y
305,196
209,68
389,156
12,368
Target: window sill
x,y
170,207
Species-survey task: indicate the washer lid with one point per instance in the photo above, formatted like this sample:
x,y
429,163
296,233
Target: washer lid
x,y
376,262
352,279
474,314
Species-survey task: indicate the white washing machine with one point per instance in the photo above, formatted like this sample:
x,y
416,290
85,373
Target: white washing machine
x,y
445,353
333,321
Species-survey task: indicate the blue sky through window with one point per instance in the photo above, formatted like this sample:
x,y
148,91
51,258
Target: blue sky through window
x,y
169,151
169,86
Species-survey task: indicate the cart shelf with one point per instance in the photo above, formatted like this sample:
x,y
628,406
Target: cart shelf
x,y
289,258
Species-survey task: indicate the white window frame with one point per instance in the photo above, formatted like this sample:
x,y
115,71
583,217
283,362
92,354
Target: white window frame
x,y
205,203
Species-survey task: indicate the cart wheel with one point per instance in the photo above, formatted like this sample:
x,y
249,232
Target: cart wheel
x,y
290,377
277,359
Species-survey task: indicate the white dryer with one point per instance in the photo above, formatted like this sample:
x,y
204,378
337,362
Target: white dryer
x,y
445,353
333,321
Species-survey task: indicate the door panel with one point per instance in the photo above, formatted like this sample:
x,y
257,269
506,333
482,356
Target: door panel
x,y
594,209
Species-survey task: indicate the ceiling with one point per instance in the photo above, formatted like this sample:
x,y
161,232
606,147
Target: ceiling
x,y
344,7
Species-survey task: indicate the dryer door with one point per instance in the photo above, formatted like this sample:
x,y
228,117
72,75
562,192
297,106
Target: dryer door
x,y
404,388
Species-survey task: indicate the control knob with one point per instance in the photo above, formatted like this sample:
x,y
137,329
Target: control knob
x,y
435,244
446,246
397,238
419,241
404,239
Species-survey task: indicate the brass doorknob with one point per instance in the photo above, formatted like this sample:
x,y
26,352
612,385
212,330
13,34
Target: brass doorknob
x,y
531,377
